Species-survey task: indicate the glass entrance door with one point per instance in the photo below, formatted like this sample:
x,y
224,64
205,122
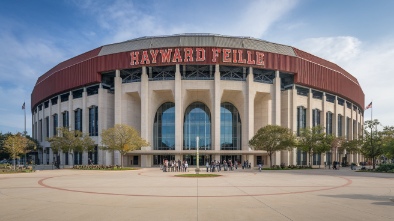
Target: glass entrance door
x,y
233,158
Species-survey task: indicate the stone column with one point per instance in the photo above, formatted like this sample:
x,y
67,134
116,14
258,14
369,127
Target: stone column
x,y
118,98
216,109
117,109
178,110
358,119
335,118
50,119
294,121
248,121
71,121
277,110
344,119
249,109
100,125
309,122
309,115
85,122
287,155
323,119
145,124
59,113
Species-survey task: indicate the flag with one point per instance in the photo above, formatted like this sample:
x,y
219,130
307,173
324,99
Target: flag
x,y
369,106
23,106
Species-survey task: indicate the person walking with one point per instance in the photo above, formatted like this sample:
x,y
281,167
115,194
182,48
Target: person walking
x,y
207,166
260,167
186,166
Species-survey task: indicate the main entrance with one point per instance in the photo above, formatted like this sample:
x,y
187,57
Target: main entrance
x,y
233,158
192,159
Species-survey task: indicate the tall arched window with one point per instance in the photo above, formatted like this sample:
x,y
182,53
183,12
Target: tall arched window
x,y
164,127
315,117
197,122
78,119
340,119
230,127
93,121
329,122
301,119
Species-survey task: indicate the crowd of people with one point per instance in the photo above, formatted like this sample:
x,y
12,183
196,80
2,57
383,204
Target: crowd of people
x,y
335,165
213,166
174,166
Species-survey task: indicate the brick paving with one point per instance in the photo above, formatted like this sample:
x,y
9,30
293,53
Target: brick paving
x,y
150,194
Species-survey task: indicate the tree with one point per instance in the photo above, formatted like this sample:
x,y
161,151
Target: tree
x,y
16,145
272,138
314,140
325,145
372,141
122,138
350,146
388,142
32,145
3,153
69,141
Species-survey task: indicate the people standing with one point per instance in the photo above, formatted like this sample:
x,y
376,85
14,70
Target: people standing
x,y
186,166
165,165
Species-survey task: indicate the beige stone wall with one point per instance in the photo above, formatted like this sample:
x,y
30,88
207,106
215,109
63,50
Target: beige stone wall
x,y
135,104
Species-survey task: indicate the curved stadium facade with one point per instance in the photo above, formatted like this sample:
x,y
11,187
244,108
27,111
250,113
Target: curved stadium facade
x,y
175,88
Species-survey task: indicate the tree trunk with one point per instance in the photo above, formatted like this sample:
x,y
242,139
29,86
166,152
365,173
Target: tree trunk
x,y
270,154
373,162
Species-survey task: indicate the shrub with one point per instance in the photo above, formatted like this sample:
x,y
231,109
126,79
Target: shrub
x,y
385,168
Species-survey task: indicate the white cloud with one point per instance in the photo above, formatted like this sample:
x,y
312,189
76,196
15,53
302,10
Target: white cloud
x,y
29,57
258,17
23,59
123,20
12,115
335,49
370,62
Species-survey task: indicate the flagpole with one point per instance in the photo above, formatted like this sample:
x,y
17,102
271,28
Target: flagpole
x,y
373,159
371,109
24,109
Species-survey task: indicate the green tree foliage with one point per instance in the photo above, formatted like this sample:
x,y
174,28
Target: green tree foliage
x,y
314,140
122,138
388,142
3,153
372,141
350,146
69,141
272,138
16,145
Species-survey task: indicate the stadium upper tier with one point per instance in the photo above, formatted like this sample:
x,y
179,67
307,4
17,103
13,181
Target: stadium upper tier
x,y
197,49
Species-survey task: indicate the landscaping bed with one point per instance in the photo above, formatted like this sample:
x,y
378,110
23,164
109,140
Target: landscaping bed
x,y
101,167
201,175
8,168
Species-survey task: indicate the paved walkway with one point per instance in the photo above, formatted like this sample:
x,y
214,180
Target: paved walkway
x,y
150,194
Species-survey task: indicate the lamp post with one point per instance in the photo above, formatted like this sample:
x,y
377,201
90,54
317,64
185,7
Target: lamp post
x,y
197,156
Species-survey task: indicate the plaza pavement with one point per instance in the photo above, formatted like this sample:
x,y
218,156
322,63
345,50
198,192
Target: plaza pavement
x,y
150,194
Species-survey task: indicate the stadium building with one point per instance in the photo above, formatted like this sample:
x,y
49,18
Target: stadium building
x,y
175,88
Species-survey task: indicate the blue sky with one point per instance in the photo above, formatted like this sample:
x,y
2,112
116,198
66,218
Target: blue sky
x,y
37,35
